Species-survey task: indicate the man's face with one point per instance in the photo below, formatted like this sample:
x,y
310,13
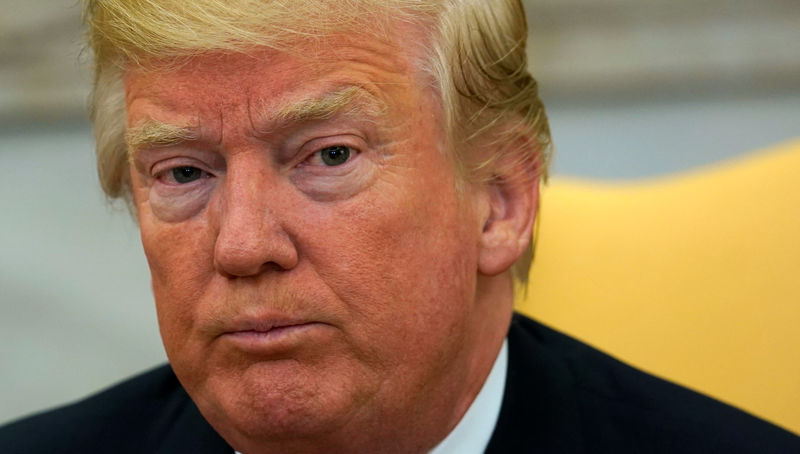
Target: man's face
x,y
313,265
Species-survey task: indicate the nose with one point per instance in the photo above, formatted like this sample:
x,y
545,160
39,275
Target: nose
x,y
251,238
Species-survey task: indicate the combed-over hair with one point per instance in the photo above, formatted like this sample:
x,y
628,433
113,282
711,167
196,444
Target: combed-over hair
x,y
475,55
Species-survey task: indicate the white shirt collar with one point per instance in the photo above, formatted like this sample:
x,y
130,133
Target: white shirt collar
x,y
473,432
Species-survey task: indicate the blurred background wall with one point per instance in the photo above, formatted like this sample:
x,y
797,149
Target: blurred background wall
x,y
634,89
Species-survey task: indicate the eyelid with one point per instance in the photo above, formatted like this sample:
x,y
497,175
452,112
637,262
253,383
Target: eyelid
x,y
149,161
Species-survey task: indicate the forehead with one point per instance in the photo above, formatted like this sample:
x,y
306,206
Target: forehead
x,y
381,66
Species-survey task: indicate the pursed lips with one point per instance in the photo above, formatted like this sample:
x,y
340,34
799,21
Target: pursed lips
x,y
270,335
264,325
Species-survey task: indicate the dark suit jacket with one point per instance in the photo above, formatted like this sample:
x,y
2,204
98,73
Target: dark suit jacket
x,y
561,397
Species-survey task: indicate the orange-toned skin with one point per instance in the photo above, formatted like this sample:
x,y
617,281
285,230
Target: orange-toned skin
x,y
400,286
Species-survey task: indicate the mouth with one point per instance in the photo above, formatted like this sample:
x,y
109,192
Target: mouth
x,y
272,336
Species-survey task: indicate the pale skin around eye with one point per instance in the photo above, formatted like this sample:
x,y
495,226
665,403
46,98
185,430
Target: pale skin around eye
x,y
180,186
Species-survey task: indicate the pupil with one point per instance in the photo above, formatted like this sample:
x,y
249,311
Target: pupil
x,y
185,174
336,155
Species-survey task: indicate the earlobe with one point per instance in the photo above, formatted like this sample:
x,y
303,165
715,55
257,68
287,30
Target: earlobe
x,y
508,228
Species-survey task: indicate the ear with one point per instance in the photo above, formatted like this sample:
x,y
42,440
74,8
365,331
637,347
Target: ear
x,y
507,231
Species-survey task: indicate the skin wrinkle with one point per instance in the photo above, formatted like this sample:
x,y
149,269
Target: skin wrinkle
x,y
351,102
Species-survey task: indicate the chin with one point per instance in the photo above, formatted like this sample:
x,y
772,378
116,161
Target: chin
x,y
277,402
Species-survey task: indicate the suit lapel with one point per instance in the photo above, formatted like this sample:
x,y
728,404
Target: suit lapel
x,y
539,413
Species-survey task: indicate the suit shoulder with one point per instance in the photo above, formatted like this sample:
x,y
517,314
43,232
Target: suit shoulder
x,y
123,414
627,408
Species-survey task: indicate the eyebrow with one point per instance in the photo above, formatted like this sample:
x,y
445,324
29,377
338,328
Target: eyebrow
x,y
350,100
154,133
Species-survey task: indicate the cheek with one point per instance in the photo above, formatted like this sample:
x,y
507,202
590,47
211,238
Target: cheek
x,y
178,257
172,248
401,263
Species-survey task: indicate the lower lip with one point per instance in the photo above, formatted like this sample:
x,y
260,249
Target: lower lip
x,y
275,340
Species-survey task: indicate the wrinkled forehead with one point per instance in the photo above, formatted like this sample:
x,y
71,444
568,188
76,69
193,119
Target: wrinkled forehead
x,y
343,75
384,68
400,48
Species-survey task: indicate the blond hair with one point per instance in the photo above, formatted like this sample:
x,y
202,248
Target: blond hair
x,y
475,54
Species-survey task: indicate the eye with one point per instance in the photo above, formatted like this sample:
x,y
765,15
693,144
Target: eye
x,y
186,174
335,155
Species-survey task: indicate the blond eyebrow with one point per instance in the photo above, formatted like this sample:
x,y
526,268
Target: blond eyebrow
x,y
352,100
154,133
